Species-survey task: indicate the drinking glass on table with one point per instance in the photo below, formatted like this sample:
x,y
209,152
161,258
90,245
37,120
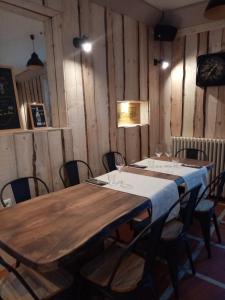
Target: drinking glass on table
x,y
120,163
158,151
168,152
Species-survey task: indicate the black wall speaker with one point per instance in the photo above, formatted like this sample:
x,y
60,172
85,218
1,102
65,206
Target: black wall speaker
x,y
165,33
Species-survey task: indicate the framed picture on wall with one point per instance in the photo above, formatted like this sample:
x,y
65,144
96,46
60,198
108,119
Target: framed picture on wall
x,y
9,108
37,115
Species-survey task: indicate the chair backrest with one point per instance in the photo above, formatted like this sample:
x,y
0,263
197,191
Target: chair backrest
x,y
152,234
69,172
23,282
193,153
215,186
187,206
21,188
109,160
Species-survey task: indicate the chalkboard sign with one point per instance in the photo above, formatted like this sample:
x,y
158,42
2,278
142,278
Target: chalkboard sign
x,y
9,115
37,115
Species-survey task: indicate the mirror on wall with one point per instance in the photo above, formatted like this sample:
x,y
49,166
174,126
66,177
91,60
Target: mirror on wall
x,y
23,50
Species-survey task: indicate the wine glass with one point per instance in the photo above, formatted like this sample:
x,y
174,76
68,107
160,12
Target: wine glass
x,y
158,151
120,163
168,152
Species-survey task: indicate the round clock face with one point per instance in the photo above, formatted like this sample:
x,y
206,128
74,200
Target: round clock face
x,y
211,70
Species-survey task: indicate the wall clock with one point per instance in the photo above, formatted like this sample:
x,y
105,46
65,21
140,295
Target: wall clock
x,y
211,70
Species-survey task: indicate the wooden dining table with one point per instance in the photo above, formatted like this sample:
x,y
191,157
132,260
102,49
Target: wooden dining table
x,y
47,231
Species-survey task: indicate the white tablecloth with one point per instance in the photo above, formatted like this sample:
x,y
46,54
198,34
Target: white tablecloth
x,y
191,176
162,193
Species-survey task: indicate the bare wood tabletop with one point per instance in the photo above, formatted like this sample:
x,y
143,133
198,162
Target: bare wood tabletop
x,y
42,232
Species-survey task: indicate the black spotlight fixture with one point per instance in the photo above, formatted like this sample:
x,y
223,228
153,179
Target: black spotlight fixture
x,y
162,62
34,61
82,43
215,10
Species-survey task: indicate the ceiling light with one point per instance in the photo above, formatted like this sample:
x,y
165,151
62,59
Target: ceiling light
x,y
215,10
34,61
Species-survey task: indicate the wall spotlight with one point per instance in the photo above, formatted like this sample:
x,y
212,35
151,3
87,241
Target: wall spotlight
x,y
163,63
82,43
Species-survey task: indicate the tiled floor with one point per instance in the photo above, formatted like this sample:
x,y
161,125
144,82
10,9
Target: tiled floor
x,y
209,282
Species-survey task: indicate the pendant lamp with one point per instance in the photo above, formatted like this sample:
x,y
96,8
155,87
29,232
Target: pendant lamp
x,y
34,60
215,10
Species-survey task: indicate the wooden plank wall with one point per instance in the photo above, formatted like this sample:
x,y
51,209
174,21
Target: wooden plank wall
x,y
188,110
35,153
118,68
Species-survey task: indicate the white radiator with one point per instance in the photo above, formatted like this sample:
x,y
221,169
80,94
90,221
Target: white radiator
x,y
214,148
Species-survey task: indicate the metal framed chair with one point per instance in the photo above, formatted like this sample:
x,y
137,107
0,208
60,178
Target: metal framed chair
x,y
205,209
122,271
21,188
69,172
175,232
25,283
109,160
193,153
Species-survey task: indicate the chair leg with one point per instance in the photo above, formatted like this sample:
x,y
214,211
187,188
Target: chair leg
x,y
173,268
217,227
205,222
189,255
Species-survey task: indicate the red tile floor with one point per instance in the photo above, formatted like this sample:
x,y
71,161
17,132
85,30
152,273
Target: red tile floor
x,y
209,281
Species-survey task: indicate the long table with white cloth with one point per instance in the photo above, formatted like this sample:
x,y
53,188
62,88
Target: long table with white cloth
x,y
157,179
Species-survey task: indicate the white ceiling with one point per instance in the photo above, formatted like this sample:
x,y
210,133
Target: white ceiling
x,y
171,4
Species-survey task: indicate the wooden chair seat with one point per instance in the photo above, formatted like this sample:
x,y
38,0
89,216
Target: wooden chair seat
x,y
172,230
99,270
204,205
45,285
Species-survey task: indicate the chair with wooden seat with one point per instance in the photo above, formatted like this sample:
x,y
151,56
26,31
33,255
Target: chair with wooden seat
x,y
175,232
21,188
23,283
70,172
205,210
120,271
193,153
109,160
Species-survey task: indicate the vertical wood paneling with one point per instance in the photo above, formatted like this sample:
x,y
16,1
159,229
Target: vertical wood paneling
x,y
143,61
100,79
73,80
42,160
144,141
67,144
121,141
24,154
8,170
88,82
165,96
215,38
200,92
154,52
56,157
189,85
131,59
177,74
58,54
111,76
118,54
133,146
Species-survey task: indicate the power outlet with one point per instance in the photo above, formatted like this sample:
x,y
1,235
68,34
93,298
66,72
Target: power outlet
x,y
8,202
